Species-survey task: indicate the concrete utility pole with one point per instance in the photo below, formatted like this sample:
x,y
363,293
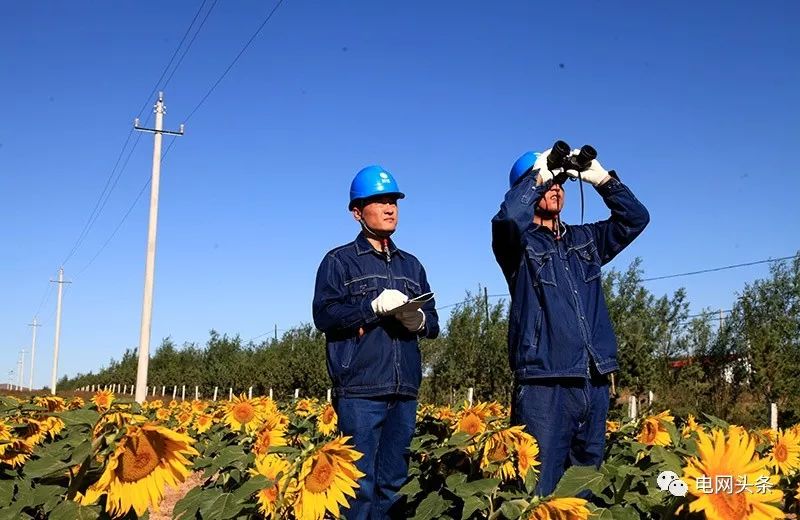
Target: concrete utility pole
x,y
147,303
20,368
54,375
33,351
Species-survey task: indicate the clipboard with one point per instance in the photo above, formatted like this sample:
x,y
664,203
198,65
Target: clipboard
x,y
413,304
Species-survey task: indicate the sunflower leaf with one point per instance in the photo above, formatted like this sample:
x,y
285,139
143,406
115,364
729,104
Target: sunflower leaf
x,y
483,486
224,506
69,510
511,510
472,504
253,485
188,506
577,479
6,492
411,488
431,507
43,466
80,417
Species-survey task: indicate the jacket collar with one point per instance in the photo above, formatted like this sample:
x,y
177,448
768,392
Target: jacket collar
x,y
363,246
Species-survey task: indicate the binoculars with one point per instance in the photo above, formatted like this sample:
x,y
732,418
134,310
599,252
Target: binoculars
x,y
560,158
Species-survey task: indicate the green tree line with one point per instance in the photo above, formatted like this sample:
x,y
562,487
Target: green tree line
x,y
731,366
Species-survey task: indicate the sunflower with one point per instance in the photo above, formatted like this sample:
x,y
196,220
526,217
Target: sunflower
x,y
446,414
5,430
76,403
203,422
561,509
690,426
327,419
184,418
324,480
612,426
52,426
198,406
174,404
271,433
734,458
103,399
304,407
145,459
155,404
53,403
654,431
163,414
34,431
495,409
527,453
120,419
15,452
276,470
243,412
785,454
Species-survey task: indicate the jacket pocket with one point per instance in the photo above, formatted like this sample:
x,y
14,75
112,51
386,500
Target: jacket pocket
x,y
348,350
410,287
541,265
360,288
589,261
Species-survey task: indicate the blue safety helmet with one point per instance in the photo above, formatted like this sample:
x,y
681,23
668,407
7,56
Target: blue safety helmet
x,y
370,182
521,167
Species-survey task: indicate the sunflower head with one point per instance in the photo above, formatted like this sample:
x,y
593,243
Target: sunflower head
x,y
203,422
561,508
76,403
718,477
690,426
325,478
270,434
145,459
276,470
242,412
784,457
304,407
53,403
14,453
103,399
326,420
654,430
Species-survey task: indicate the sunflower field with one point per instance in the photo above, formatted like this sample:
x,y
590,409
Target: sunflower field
x,y
104,457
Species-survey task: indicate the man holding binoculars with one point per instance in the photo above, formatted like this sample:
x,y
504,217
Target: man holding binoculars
x,y
561,342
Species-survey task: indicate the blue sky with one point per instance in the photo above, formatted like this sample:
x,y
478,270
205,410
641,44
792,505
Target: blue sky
x,y
694,105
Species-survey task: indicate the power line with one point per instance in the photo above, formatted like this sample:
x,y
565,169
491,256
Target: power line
x,y
723,268
239,55
172,58
124,217
106,192
186,50
711,270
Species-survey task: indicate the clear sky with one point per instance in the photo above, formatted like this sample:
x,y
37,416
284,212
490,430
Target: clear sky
x,y
693,103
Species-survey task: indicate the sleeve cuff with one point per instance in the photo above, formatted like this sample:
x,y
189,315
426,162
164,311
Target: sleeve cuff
x,y
367,313
612,186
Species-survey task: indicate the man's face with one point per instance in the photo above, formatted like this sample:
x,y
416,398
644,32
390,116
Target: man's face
x,y
553,200
380,214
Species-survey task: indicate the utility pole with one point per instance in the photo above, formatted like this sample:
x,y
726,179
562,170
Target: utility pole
x,y
20,368
54,375
147,303
33,351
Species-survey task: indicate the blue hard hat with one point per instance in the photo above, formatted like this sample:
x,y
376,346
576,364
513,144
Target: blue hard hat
x,y
521,167
370,182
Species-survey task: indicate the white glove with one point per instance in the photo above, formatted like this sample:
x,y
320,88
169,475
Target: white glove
x,y
595,174
544,174
412,320
387,301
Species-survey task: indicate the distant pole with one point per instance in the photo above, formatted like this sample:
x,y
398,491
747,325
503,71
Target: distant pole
x,y
21,366
486,303
276,332
54,375
147,302
33,326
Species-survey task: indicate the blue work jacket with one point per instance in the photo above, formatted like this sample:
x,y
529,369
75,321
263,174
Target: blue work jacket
x,y
558,321
369,355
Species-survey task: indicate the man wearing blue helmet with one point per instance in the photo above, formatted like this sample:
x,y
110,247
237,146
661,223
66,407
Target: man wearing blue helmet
x,y
561,342
373,355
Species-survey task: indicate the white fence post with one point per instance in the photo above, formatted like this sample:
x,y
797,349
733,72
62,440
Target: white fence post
x,y
215,392
196,393
270,393
329,395
163,390
174,391
297,393
183,392
470,395
773,416
230,394
650,398
632,407
250,393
